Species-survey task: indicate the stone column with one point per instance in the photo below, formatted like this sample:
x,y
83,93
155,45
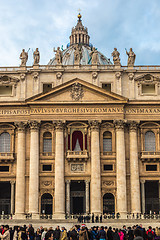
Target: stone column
x,y
159,196
20,172
134,169
59,172
12,196
68,197
34,170
121,169
87,196
95,169
143,195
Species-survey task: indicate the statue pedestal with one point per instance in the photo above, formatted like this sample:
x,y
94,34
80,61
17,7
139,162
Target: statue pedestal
x,y
36,66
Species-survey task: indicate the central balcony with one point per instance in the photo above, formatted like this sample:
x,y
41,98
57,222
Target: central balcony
x,y
77,155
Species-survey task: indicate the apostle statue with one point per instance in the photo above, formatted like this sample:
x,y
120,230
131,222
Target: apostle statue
x,y
23,57
131,57
94,56
116,58
59,56
77,55
36,57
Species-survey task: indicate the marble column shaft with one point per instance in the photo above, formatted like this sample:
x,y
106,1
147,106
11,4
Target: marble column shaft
x,y
143,195
134,169
12,196
68,196
34,169
87,196
95,169
59,172
121,169
20,172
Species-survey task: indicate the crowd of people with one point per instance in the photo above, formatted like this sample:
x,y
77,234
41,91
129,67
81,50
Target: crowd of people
x,y
79,232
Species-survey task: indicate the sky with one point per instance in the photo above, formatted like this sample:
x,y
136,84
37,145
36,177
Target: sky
x,y
111,23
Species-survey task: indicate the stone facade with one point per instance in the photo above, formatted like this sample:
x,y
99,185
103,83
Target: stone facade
x,y
79,133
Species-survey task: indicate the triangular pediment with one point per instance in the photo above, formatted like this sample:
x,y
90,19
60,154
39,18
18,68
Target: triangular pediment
x,y
77,91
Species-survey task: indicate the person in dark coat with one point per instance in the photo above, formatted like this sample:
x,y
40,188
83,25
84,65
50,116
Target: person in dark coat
x,y
31,232
110,233
115,234
102,234
57,233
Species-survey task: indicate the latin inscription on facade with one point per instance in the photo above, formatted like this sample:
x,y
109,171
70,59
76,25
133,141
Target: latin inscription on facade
x,y
76,167
77,111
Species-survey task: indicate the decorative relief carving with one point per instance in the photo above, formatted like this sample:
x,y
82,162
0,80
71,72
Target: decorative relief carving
x,y
131,76
94,75
34,125
59,125
133,125
20,126
108,183
118,75
59,75
77,92
4,79
35,75
47,127
22,76
47,183
77,167
119,124
94,125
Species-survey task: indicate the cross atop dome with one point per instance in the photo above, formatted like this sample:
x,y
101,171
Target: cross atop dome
x,y
79,34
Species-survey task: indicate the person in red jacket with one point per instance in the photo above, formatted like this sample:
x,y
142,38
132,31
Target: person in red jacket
x,y
150,233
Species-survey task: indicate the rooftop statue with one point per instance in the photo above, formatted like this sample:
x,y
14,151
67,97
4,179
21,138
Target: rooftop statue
x,y
94,56
59,56
36,57
23,57
77,55
131,57
116,58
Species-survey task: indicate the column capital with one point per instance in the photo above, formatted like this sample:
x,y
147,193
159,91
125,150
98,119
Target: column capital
x,y
94,125
34,125
142,181
20,126
12,182
133,125
68,181
87,181
59,125
119,124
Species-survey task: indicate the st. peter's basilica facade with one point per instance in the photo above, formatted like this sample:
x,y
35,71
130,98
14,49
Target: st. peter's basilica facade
x,y
80,134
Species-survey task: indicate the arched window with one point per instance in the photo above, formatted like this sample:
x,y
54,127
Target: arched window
x,y
77,141
47,142
5,142
107,141
150,142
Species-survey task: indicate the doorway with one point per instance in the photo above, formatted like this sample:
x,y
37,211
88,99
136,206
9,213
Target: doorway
x,y
5,198
77,190
152,196
46,203
108,203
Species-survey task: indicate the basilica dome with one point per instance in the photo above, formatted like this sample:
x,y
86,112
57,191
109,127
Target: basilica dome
x,y
79,37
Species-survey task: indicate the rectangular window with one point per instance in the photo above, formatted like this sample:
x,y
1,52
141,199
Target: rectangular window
x,y
5,90
47,168
106,86
108,167
107,144
47,87
148,88
4,168
151,168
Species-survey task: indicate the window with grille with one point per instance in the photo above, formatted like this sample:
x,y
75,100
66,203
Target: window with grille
x,y
107,142
5,142
150,142
47,142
